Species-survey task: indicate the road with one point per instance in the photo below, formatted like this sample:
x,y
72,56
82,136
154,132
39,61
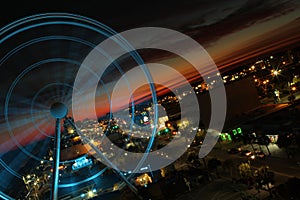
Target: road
x,y
283,168
283,99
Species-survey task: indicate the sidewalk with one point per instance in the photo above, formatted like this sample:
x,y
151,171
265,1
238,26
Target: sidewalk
x,y
222,189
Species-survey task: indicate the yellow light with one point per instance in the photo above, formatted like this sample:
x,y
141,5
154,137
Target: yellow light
x,y
77,138
115,187
275,72
90,193
294,88
252,67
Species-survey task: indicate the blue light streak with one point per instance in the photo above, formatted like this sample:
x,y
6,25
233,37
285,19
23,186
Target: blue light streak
x,y
106,31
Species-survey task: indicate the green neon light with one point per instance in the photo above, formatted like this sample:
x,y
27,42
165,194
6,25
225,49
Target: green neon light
x,y
239,130
234,132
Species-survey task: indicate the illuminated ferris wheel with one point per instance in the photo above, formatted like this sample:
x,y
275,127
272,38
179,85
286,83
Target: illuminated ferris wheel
x,y
40,56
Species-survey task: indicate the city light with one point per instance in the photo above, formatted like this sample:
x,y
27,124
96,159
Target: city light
x,y
143,180
90,193
70,130
91,154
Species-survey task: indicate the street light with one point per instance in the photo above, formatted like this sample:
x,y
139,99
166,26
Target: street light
x,y
90,193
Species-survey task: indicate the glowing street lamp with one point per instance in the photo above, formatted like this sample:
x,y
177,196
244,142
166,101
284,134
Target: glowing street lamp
x,y
90,193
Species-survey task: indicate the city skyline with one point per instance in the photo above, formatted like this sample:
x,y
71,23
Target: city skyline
x,y
254,48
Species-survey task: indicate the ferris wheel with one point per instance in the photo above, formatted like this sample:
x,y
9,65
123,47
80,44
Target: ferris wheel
x,y
40,56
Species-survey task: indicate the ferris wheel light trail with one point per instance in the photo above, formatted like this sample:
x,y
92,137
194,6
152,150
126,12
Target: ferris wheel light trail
x,y
5,196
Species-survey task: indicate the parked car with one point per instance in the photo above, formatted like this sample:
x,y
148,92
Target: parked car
x,y
256,150
260,154
246,153
234,150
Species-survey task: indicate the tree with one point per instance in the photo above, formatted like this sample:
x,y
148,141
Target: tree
x,y
290,189
264,177
249,139
228,165
200,135
213,164
245,172
285,141
265,140
192,156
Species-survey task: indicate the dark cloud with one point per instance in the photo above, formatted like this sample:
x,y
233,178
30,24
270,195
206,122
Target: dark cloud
x,y
250,13
176,14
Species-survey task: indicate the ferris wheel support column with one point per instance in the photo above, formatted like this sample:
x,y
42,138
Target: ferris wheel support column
x,y
56,161
59,111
